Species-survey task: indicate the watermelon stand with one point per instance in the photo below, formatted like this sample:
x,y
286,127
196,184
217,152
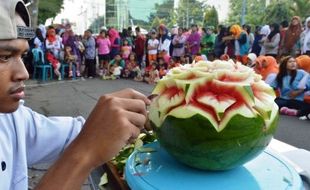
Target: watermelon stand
x,y
157,170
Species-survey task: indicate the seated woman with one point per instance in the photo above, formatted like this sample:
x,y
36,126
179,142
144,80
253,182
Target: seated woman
x,y
290,82
153,76
267,67
132,69
118,63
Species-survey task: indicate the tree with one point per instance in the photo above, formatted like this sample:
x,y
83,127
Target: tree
x,y
97,24
156,22
190,12
211,17
277,12
300,8
49,9
255,10
33,11
164,12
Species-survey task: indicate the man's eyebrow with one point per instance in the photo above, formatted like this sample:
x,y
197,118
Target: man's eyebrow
x,y
10,48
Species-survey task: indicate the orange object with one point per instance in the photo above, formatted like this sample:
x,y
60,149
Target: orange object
x,y
224,57
236,30
266,65
303,62
307,99
242,59
152,57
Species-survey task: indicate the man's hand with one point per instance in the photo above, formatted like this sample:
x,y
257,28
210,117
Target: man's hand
x,y
115,121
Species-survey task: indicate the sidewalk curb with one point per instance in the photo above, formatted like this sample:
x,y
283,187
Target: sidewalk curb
x,y
39,84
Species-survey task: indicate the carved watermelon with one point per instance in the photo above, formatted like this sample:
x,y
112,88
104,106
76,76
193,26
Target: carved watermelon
x,y
213,115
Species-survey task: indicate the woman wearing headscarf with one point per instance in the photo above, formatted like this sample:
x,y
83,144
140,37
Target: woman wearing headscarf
x,y
193,41
73,43
267,67
292,36
115,40
241,43
265,31
207,43
256,47
303,62
219,44
164,41
272,42
39,40
305,38
52,43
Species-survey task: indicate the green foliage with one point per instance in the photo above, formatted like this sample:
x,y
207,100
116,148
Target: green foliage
x,y
157,21
48,9
97,24
301,8
277,12
164,14
258,13
190,12
255,10
211,17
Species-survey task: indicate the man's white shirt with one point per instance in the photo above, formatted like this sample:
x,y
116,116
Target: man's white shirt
x,y
28,138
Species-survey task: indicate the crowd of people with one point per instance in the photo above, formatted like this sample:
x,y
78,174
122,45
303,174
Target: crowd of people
x,y
130,54
79,145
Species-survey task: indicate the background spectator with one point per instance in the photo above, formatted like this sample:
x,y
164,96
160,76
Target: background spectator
x,y
292,36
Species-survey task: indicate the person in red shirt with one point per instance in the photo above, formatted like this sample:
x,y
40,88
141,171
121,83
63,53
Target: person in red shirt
x,y
139,45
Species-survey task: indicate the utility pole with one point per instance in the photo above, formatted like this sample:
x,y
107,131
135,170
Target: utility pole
x,y
33,9
187,14
243,12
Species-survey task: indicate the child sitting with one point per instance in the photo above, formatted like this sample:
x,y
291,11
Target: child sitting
x,y
114,68
153,76
54,62
116,71
163,67
173,63
185,59
70,59
132,69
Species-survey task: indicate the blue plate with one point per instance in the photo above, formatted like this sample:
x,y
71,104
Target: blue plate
x,y
152,168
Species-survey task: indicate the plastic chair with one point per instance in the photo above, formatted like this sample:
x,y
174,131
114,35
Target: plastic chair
x,y
65,66
39,64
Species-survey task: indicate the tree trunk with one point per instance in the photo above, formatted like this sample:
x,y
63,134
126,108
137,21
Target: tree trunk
x,y
33,11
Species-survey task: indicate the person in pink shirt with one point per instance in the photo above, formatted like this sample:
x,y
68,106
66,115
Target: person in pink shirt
x,y
104,46
126,49
193,41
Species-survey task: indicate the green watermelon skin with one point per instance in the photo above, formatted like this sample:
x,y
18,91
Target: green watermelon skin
x,y
195,142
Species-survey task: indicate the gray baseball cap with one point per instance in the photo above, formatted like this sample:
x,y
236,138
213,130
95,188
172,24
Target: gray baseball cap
x,y
9,29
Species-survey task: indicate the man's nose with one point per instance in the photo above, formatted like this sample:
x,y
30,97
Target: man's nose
x,y
20,72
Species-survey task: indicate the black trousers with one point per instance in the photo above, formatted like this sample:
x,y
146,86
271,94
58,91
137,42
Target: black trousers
x,y
90,67
302,107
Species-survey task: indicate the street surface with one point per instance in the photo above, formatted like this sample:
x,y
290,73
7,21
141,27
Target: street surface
x,y
74,98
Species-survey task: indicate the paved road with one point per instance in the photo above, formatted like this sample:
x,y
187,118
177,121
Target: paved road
x,y
78,97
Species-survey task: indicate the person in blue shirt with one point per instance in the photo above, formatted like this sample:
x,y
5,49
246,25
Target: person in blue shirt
x,y
74,145
290,83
